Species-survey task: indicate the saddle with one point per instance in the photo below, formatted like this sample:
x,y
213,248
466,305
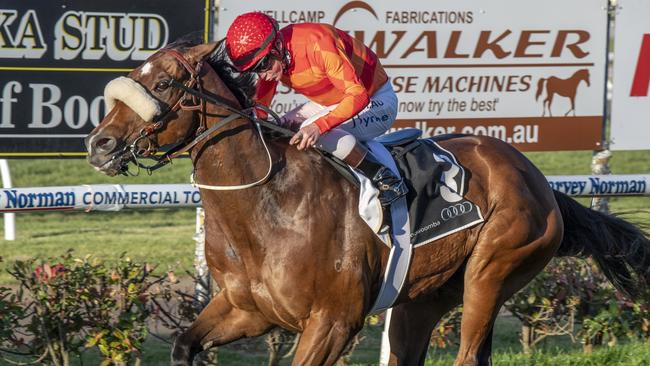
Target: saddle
x,y
390,140
399,137
436,184
433,208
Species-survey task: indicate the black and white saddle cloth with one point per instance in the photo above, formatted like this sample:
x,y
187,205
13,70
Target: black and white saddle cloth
x,y
437,184
433,208
436,181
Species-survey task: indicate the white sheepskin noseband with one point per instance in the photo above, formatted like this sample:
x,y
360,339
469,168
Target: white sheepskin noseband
x,y
133,95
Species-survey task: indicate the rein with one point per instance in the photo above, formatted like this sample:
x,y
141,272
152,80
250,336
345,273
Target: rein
x,y
338,165
199,98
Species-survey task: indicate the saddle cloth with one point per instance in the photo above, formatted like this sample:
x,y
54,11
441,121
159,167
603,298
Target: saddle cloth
x,y
437,183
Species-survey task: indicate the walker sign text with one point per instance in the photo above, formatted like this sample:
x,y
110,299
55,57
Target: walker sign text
x,y
528,72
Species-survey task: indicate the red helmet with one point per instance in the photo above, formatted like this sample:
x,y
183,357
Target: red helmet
x,y
250,38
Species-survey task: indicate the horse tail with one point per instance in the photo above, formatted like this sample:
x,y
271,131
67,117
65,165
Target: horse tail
x,y
540,87
620,248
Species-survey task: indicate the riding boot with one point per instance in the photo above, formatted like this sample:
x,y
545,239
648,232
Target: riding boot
x,y
389,185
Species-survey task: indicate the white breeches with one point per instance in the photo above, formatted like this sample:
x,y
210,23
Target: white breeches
x,y
374,120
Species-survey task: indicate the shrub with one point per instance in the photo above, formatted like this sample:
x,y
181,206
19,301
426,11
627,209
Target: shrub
x,y
447,331
11,313
548,305
71,304
117,321
616,318
52,293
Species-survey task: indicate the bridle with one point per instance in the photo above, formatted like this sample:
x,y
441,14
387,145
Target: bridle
x,y
193,98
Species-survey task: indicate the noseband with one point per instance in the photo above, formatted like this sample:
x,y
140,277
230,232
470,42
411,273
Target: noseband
x,y
193,98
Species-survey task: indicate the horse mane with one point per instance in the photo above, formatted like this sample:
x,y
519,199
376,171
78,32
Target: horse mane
x,y
242,85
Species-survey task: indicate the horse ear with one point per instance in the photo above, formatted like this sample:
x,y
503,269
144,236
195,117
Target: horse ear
x,y
198,53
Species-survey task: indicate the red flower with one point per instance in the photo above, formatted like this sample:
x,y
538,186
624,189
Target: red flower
x,y
45,273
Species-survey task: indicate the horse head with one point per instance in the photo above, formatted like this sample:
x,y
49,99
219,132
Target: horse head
x,y
146,112
583,74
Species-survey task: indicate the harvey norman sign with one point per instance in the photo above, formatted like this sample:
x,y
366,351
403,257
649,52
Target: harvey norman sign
x,y
529,72
601,185
57,56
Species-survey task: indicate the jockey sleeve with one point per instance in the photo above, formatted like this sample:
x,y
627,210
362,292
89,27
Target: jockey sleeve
x,y
341,74
329,67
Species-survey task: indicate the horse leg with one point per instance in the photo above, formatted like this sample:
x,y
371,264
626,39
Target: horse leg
x,y
494,272
410,330
219,323
411,323
323,340
485,354
481,304
548,102
573,108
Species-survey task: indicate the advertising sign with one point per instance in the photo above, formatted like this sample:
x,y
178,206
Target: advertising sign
x,y
57,56
98,197
114,197
601,185
631,93
531,73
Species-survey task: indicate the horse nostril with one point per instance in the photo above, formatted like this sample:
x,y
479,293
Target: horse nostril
x,y
105,144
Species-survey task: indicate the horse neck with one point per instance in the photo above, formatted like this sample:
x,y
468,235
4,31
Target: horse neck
x,y
578,77
250,218
234,155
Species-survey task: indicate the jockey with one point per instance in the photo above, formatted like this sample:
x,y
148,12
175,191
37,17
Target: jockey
x,y
351,98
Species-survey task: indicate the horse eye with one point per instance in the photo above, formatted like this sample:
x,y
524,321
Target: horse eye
x,y
162,85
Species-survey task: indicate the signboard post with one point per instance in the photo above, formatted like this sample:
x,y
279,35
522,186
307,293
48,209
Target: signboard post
x,y
631,93
57,56
9,218
528,72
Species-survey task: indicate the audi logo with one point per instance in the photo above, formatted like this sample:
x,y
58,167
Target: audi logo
x,y
456,210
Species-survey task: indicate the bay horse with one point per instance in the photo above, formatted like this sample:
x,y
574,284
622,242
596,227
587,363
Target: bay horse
x,y
291,251
564,87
